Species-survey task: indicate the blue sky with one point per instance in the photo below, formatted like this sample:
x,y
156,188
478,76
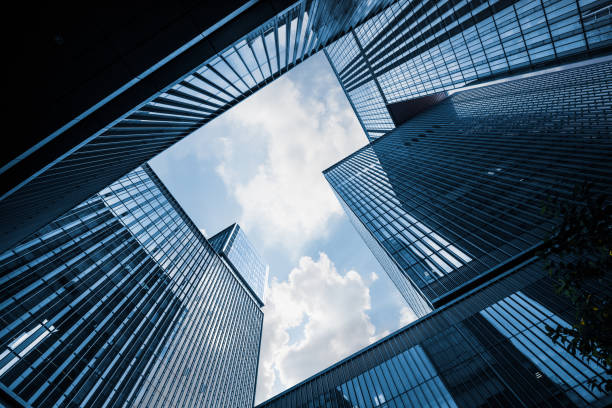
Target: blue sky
x,y
260,164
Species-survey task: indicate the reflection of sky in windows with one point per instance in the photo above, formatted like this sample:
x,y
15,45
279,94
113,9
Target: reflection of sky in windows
x,y
414,298
417,48
410,373
365,187
247,262
522,320
251,61
124,321
23,344
233,243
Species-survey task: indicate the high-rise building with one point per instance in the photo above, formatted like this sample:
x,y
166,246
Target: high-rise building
x,y
120,300
235,248
453,196
123,302
416,48
123,82
450,203
488,348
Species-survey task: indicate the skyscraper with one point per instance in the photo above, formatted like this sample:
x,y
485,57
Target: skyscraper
x,y
417,48
235,248
116,298
485,349
122,301
453,197
124,82
450,204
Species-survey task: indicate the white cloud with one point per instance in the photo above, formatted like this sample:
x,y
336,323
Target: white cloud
x,y
373,276
272,162
406,316
327,310
203,231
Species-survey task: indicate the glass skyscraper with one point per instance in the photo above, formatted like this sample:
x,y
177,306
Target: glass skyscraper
x,y
141,77
235,248
486,349
415,48
112,297
450,203
453,196
123,302
106,114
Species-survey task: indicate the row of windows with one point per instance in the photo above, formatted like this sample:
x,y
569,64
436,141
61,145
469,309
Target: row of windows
x,y
496,355
245,259
169,114
459,189
234,244
418,48
122,301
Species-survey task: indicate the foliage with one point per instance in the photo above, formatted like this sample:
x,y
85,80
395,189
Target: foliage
x,y
578,256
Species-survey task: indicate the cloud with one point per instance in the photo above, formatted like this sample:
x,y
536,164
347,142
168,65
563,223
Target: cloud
x,y
406,316
272,149
203,231
325,310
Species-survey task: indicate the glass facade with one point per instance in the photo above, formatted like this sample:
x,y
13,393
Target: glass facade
x,y
122,302
233,244
488,349
223,76
415,48
454,195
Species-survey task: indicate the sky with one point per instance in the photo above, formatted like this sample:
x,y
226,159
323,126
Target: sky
x,y
260,164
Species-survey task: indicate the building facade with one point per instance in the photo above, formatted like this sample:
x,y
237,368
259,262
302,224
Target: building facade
x,y
235,248
123,83
450,203
454,196
122,302
147,76
486,349
416,48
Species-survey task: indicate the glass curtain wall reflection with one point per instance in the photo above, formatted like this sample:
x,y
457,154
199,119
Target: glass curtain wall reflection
x,y
414,48
235,64
454,195
233,245
122,302
486,349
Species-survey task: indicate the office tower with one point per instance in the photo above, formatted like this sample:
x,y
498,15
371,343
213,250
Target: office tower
x,y
122,82
453,197
236,250
485,349
417,48
122,302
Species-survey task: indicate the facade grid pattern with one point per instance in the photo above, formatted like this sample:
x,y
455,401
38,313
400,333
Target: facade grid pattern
x,y
488,349
167,115
457,191
233,243
415,48
122,302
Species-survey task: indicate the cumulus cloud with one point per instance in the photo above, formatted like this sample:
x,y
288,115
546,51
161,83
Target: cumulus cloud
x,y
324,310
295,133
406,316
270,150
